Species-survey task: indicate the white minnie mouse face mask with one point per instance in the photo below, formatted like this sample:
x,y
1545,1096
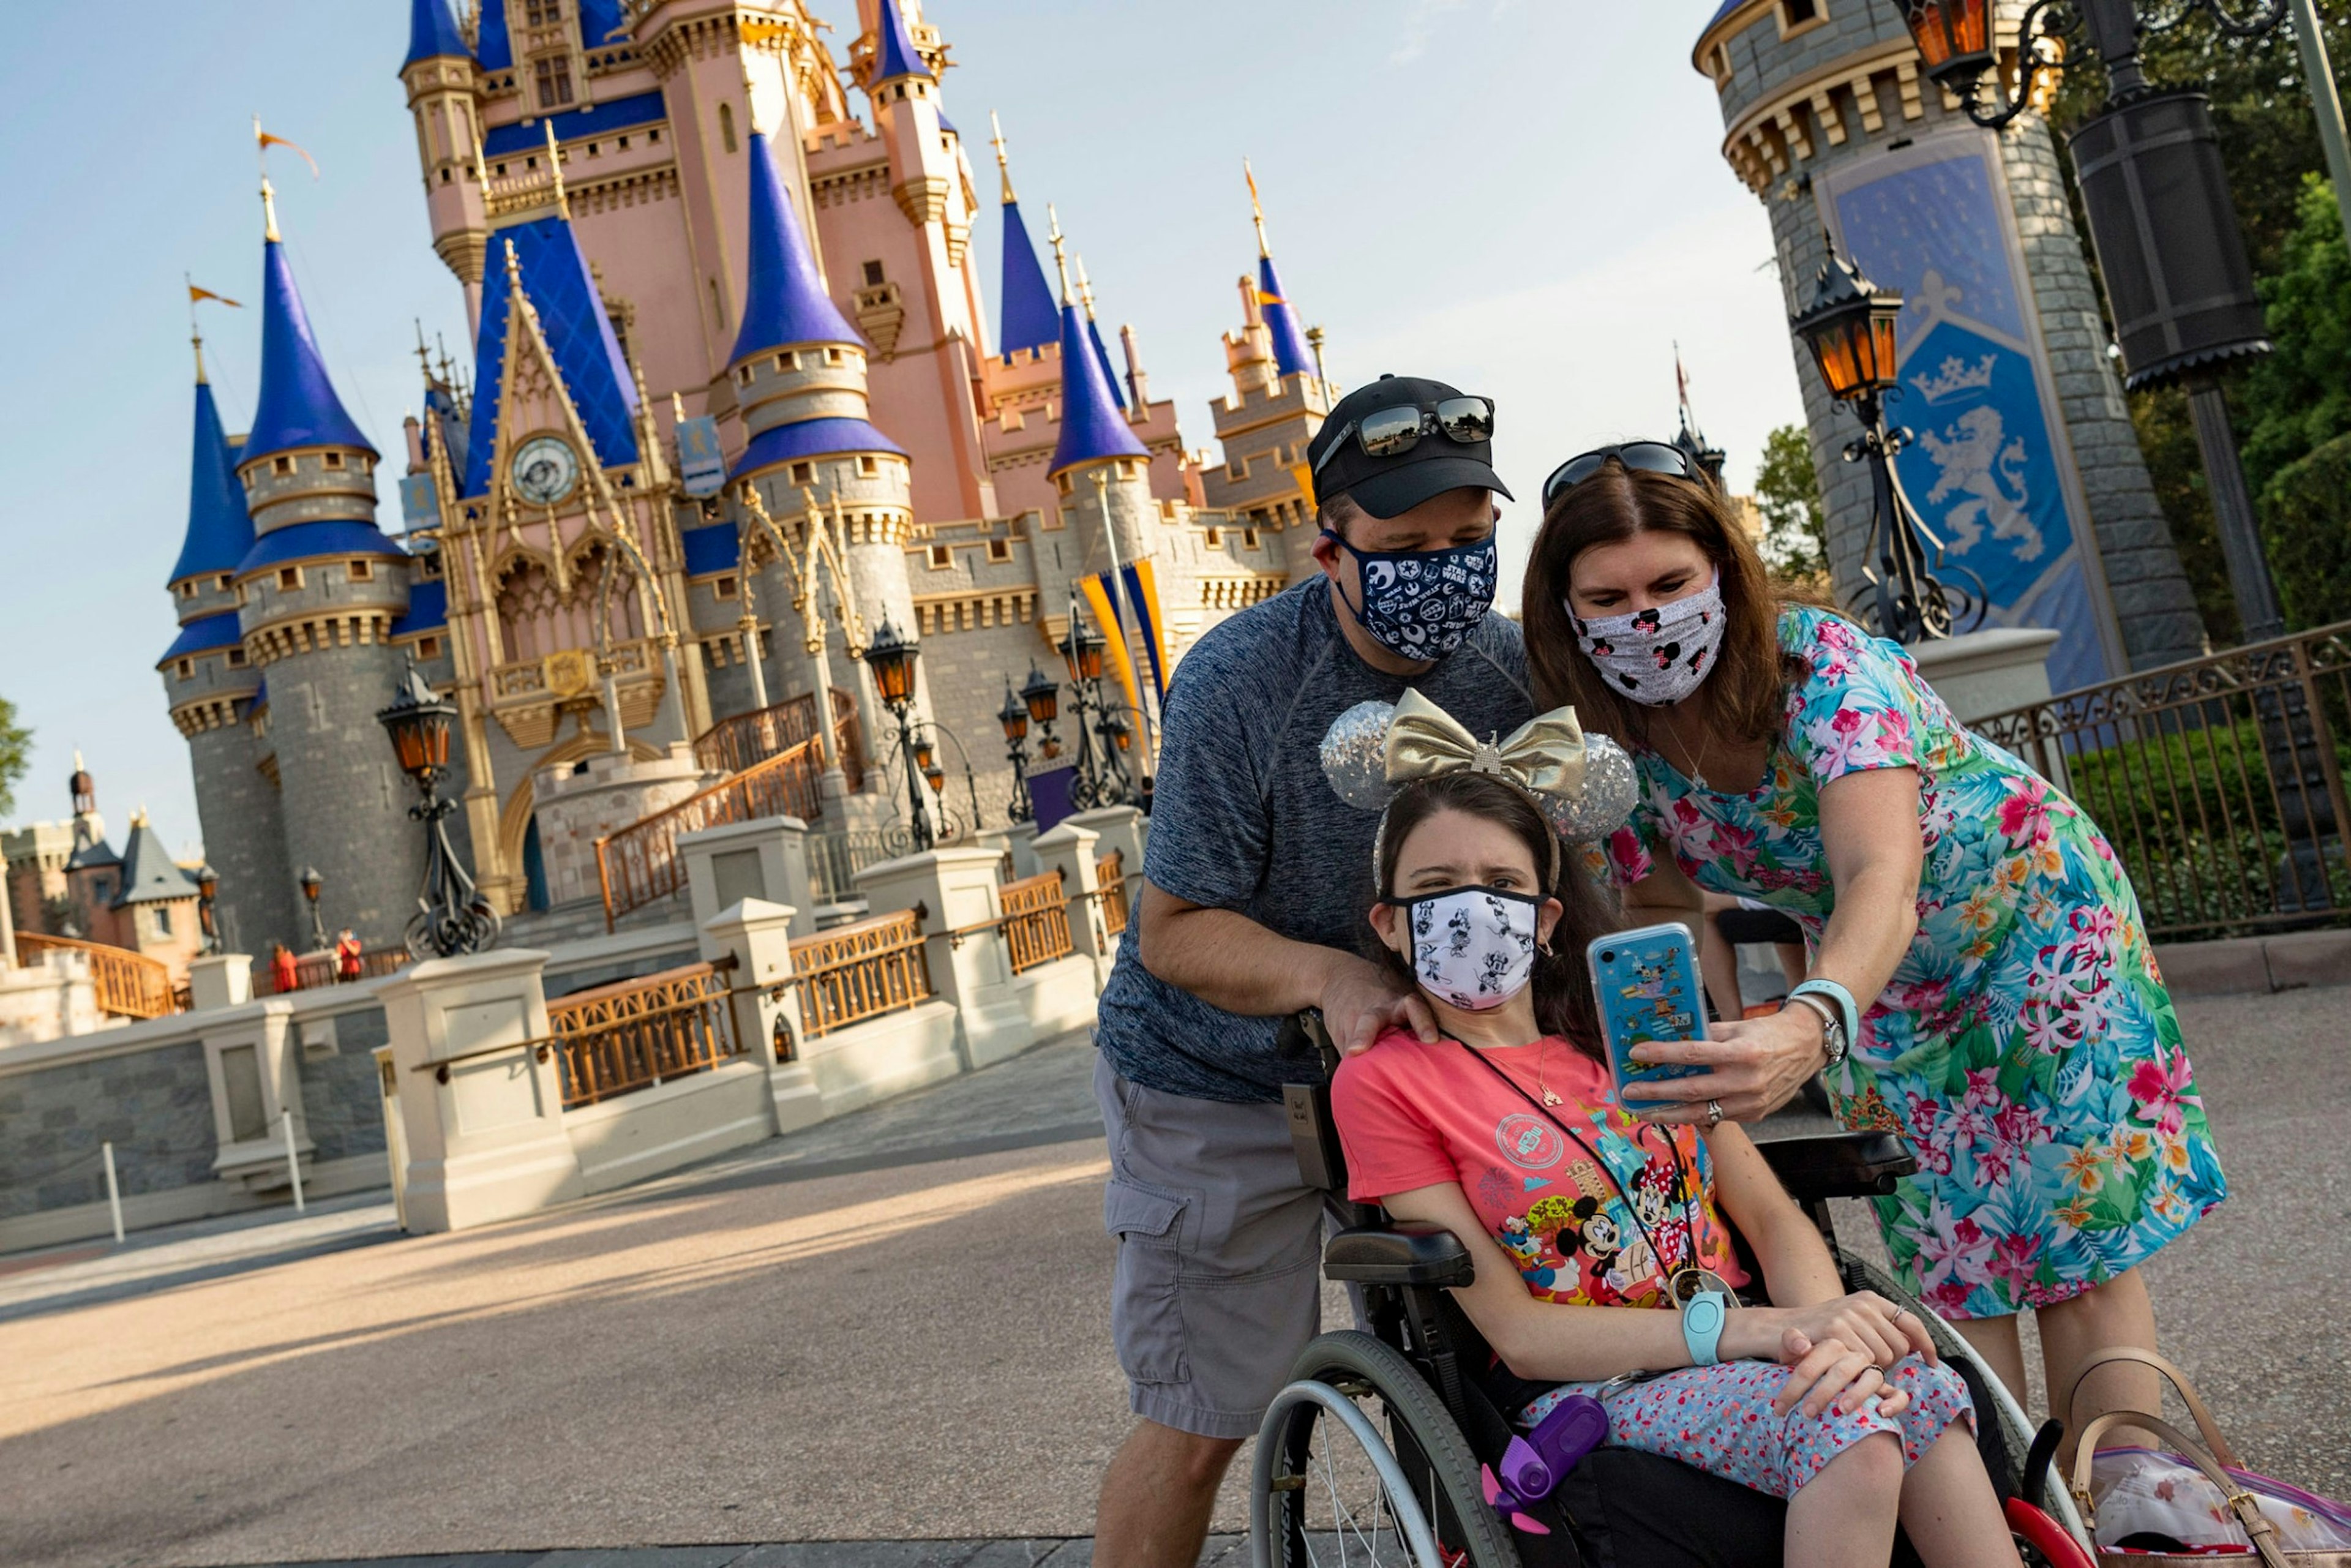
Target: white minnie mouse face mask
x,y
1472,947
1658,655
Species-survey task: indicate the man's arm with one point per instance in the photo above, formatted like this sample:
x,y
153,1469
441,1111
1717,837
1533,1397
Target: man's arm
x,y
1229,961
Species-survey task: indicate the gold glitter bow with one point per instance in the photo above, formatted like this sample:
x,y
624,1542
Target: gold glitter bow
x,y
1545,754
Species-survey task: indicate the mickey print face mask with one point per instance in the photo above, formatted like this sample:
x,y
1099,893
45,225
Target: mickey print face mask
x,y
1474,947
1658,655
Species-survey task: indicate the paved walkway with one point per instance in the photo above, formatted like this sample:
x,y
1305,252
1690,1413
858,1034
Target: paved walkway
x,y
872,1335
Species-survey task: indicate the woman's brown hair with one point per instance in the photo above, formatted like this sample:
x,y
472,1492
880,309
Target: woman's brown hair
x,y
1562,985
1749,684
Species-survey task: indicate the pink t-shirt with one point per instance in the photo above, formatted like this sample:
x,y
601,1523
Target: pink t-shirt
x,y
1552,1188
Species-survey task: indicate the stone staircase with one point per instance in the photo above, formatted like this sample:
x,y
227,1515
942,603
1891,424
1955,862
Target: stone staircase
x,y
582,919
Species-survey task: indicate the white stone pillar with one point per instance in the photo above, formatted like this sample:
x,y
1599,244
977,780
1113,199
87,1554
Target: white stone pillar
x,y
1018,840
765,859
1073,851
757,936
222,980
1981,673
1124,828
958,887
481,1098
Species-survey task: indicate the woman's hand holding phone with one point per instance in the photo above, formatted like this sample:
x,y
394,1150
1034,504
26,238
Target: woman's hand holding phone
x,y
1752,1067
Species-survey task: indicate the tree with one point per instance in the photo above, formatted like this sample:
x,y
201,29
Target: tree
x,y
15,755
1788,493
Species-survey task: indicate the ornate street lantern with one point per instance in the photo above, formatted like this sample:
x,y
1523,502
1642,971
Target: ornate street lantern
x,y
1954,40
207,891
1849,327
451,917
892,656
1042,695
1013,717
924,753
311,882
1081,650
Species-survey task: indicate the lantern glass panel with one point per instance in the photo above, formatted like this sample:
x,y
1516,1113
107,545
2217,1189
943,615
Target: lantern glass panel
x,y
1833,349
936,778
1043,697
1953,36
924,753
1014,718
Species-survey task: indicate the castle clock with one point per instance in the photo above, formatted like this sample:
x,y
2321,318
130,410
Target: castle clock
x,y
544,471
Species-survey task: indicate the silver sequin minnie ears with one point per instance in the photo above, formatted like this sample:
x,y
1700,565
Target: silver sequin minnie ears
x,y
1584,783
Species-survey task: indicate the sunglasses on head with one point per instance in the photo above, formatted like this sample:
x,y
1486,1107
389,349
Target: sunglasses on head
x,y
1467,421
1647,456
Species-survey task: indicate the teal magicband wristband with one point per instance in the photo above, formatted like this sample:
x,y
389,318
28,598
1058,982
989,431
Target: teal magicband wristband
x,y
1702,1319
1836,996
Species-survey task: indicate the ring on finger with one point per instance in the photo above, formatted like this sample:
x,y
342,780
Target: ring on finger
x,y
1713,1113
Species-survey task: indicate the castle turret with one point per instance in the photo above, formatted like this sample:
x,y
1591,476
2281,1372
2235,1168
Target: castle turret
x,y
321,589
439,74
799,378
212,687
1029,322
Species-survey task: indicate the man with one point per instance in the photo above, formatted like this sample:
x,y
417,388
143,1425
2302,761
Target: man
x,y
1257,885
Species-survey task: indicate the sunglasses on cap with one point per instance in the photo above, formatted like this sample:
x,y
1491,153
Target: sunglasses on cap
x,y
1647,456
1467,421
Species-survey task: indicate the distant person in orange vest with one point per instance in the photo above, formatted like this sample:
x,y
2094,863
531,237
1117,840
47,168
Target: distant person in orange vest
x,y
281,969
346,956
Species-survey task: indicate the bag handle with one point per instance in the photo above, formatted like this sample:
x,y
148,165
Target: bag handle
x,y
2242,1503
2211,1428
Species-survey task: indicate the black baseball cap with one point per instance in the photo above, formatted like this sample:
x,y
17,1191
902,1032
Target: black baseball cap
x,y
1387,487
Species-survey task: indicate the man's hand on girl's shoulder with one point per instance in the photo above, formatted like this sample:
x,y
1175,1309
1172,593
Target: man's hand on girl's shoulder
x,y
1361,1001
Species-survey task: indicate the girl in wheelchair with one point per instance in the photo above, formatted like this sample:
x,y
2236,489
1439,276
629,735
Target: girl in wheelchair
x,y
1583,1221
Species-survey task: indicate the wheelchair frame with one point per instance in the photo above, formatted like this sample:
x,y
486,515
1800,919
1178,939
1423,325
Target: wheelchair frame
x,y
1402,1272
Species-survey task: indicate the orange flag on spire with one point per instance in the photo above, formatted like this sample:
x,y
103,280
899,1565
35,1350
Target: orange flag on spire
x,y
195,293
265,141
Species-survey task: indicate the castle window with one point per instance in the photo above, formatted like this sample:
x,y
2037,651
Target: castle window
x,y
188,589
1801,15
186,670
289,578
724,588
362,571
999,550
1237,470
445,176
941,557
727,126
832,356
1216,538
281,466
654,135
592,149
868,466
1126,468
786,360
1249,538
428,647
334,460
553,76
874,278
624,144
162,920
225,583
237,658
1061,483
541,12
803,473
743,376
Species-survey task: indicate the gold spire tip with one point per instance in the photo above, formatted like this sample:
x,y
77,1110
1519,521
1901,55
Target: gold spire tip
x,y
1003,165
269,211
1060,250
198,340
1257,210
555,170
1085,286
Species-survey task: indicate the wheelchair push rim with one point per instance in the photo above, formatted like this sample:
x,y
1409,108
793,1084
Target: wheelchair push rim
x,y
1334,1486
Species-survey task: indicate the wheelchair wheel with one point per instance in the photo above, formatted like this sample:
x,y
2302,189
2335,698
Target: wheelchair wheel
x,y
1327,1487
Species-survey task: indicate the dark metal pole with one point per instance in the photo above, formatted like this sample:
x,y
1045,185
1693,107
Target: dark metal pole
x,y
2233,512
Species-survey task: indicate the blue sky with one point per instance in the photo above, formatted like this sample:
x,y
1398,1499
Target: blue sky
x,y
1524,197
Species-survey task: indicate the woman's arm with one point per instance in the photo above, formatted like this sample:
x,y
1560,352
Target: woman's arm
x,y
1797,1268
1664,893
1869,826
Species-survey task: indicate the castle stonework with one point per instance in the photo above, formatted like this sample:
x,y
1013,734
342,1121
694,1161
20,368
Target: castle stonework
x,y
673,228
2026,465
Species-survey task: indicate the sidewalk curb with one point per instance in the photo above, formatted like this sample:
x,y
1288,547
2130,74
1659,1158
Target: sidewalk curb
x,y
2242,966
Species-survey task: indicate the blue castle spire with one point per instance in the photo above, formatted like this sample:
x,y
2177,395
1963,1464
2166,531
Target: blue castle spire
x,y
219,530
1028,320
433,30
298,406
894,54
1093,428
784,299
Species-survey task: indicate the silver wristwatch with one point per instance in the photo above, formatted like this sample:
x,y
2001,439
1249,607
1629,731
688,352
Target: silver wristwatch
x,y
1833,1040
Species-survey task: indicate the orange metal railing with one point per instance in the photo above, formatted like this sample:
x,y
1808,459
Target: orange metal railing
x,y
639,1034
129,985
1036,921
748,740
852,973
1110,877
321,969
638,864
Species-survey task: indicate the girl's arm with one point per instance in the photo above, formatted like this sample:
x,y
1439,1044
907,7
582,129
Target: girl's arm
x,y
1797,1268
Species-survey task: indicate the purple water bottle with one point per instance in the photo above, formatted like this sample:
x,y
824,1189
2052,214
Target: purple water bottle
x,y
1534,1464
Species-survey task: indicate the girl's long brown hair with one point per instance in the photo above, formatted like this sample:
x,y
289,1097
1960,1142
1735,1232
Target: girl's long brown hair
x,y
1749,685
1562,984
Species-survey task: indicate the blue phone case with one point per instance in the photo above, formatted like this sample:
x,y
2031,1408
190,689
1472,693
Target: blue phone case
x,y
1647,984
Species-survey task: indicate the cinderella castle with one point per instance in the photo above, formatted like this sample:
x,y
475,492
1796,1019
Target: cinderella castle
x,y
736,400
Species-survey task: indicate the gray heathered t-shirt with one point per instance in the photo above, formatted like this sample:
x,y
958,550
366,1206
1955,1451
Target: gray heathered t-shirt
x,y
1243,818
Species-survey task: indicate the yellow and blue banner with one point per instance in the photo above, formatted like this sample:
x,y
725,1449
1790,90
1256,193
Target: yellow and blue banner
x,y
1141,585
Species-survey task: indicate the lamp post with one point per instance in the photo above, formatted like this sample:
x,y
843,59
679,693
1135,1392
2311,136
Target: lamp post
x,y
2164,232
311,882
1042,695
207,892
452,915
1849,327
1014,717
1100,774
891,659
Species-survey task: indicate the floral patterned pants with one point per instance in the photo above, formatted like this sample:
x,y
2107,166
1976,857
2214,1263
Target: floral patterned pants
x,y
1720,1420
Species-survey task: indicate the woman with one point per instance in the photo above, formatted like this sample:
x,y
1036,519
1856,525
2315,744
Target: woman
x,y
1588,1227
2011,1023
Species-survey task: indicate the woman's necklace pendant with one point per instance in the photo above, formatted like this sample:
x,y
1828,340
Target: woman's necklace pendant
x,y
1551,1097
1690,1280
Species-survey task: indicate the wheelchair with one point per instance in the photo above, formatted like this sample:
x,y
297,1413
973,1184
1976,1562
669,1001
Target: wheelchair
x,y
1371,1456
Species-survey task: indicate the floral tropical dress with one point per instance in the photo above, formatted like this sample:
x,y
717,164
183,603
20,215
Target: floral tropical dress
x,y
2025,1047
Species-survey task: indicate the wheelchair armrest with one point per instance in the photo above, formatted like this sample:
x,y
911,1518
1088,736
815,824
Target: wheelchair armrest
x,y
1399,1254
1839,1164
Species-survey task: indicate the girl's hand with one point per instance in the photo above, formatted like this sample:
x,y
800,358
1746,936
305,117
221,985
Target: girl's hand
x,y
1830,1374
1865,1321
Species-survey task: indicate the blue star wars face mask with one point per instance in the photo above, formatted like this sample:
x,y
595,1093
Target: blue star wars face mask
x,y
1421,604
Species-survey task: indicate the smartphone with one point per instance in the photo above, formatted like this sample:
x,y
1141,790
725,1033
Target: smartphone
x,y
1647,984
